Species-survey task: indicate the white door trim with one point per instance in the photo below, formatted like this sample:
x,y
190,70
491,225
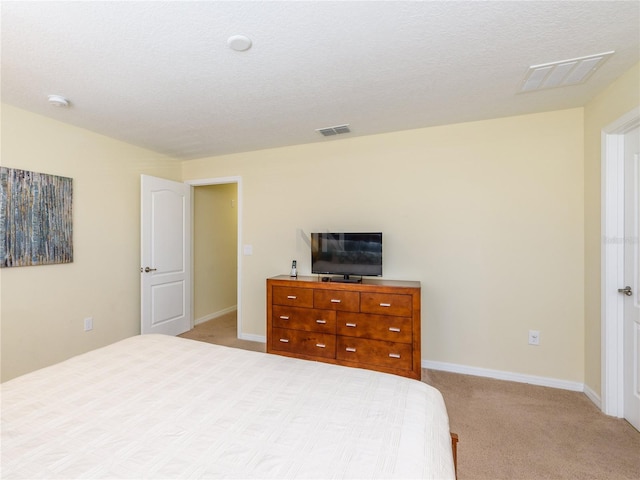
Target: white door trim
x,y
612,258
222,181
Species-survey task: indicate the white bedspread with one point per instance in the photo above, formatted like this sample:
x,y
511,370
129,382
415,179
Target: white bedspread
x,y
155,406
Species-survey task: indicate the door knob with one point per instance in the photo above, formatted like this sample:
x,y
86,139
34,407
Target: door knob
x,y
147,269
626,290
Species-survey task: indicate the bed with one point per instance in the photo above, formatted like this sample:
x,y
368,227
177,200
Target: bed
x,y
156,406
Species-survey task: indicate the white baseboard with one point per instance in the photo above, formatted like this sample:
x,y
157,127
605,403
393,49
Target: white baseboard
x,y
253,338
502,375
593,396
217,314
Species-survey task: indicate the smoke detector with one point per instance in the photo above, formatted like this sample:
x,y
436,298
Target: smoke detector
x,y
562,73
239,43
58,101
336,130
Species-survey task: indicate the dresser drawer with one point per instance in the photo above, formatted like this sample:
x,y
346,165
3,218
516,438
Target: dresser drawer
x,y
293,296
310,319
306,343
377,327
337,300
386,304
374,352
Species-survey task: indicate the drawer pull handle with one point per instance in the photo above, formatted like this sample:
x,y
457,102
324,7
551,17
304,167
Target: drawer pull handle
x,y
350,349
394,329
284,317
394,355
284,340
320,345
352,325
322,322
291,297
335,300
385,304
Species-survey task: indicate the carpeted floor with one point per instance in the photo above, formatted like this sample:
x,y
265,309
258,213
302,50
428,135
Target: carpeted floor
x,y
512,430
222,331
509,430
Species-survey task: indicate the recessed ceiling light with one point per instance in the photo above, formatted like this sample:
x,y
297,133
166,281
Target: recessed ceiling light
x,y
58,101
562,73
239,43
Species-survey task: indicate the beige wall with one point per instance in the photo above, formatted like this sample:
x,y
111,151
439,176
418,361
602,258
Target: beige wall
x,y
43,307
499,220
615,101
215,254
487,215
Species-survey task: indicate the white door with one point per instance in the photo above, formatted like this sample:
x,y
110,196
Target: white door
x,y
632,280
166,256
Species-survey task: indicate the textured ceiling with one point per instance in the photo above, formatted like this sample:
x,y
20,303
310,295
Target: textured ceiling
x,y
160,74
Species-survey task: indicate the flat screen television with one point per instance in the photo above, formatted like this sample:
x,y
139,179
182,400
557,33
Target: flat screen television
x,y
346,254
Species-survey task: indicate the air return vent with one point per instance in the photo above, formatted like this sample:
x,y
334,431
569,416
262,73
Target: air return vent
x,y
337,130
563,73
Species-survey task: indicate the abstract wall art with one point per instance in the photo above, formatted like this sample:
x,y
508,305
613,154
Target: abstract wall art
x,y
36,218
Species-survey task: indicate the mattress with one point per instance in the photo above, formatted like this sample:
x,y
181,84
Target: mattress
x,y
156,406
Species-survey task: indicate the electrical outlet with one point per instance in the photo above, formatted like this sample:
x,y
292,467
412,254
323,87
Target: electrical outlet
x,y
88,324
534,337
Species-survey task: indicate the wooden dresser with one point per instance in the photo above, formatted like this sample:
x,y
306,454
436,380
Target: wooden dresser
x,y
374,324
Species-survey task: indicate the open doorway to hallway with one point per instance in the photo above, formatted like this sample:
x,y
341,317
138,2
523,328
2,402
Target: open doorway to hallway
x,y
215,253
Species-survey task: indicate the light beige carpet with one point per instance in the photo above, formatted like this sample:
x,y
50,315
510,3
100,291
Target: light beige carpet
x,y
222,331
511,430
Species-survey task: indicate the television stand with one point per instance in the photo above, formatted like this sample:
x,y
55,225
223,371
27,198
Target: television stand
x,y
346,279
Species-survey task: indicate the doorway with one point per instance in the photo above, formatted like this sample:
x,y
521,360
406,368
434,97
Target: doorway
x,y
216,214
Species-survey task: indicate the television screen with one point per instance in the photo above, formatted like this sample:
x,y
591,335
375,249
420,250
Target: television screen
x,y
347,253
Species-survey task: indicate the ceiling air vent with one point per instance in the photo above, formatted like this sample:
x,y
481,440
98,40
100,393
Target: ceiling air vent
x,y
563,73
337,130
